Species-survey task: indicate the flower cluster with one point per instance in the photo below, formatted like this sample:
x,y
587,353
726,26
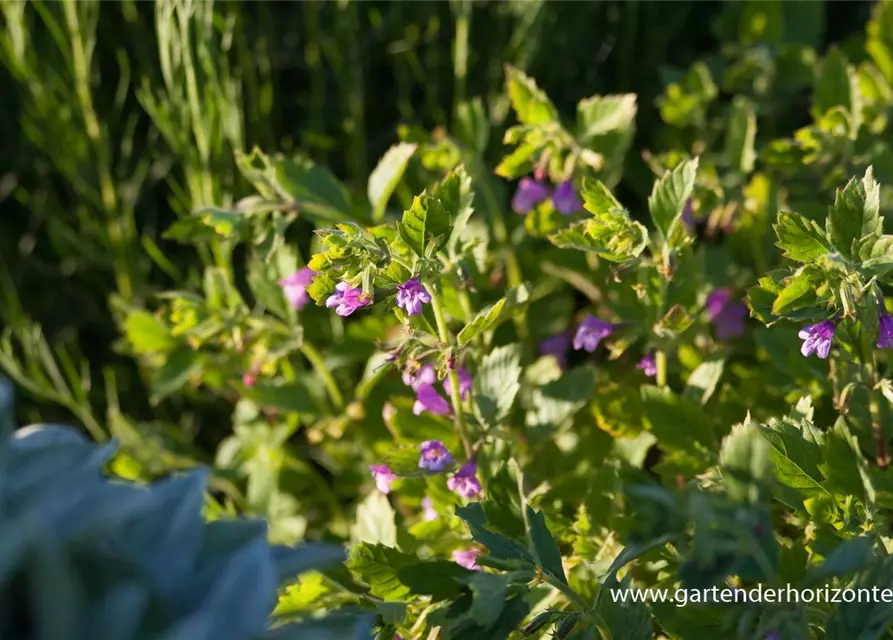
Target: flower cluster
x,y
532,191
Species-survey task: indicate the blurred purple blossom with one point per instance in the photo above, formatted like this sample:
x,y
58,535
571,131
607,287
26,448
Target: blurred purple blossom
x,y
429,513
648,366
295,287
591,332
885,332
383,477
529,193
467,558
427,399
557,346
465,383
565,199
726,314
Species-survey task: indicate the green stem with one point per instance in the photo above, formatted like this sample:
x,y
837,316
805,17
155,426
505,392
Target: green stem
x,y
444,335
660,363
319,365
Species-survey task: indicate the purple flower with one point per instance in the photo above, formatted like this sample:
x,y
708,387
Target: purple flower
x,y
885,332
529,194
346,299
817,338
647,365
435,456
467,558
773,635
591,332
424,377
429,513
427,399
295,287
411,295
465,383
557,346
465,481
726,315
383,477
565,199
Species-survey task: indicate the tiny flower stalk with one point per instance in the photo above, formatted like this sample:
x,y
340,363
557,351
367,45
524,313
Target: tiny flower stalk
x,y
322,370
453,376
660,368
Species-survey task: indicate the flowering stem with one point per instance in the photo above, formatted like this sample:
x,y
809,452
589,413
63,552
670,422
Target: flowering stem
x,y
660,363
323,372
444,335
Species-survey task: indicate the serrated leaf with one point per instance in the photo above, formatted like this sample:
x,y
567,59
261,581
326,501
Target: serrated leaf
x,y
798,291
614,237
670,194
456,194
740,136
490,316
598,199
530,103
795,459
387,175
375,523
854,223
488,597
599,115
544,546
424,221
675,420
497,383
627,618
800,238
837,85
378,566
744,458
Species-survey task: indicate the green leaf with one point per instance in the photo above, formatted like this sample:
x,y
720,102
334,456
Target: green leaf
x,y
440,579
179,366
498,546
836,85
800,238
531,104
879,260
485,319
627,619
854,223
674,323
387,175
544,546
458,199
740,136
281,396
147,334
558,400
312,188
518,163
206,225
744,458
864,619
613,236
375,522
424,221
843,465
488,597
391,612
675,420
703,380
849,557
378,566
598,199
798,292
497,383
670,194
599,115
795,455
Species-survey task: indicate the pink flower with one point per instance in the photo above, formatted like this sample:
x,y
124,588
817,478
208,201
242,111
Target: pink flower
x,y
464,481
648,366
411,295
424,377
429,513
427,399
346,299
467,558
295,287
383,477
249,379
